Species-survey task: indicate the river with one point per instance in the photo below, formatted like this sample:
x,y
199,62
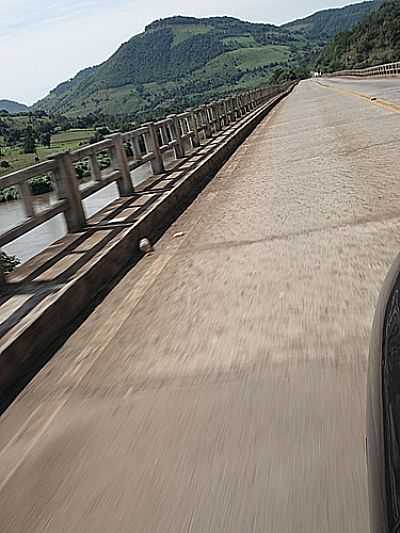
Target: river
x,y
30,244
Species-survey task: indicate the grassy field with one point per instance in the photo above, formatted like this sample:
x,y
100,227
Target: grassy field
x,y
243,41
251,58
186,31
60,142
72,136
244,59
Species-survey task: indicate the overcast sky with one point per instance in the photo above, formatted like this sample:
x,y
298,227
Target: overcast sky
x,y
45,42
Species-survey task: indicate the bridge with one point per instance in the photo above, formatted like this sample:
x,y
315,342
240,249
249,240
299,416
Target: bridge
x,y
220,384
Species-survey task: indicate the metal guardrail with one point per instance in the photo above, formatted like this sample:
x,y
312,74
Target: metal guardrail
x,y
387,70
127,151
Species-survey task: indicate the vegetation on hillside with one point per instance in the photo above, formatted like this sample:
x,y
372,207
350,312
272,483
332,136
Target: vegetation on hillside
x,y
324,25
31,137
374,41
13,107
183,61
176,63
178,59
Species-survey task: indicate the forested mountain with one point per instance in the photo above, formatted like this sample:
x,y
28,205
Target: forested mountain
x,y
12,107
324,25
374,41
179,57
181,61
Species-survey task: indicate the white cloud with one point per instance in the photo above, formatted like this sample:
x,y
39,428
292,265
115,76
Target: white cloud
x,y
44,43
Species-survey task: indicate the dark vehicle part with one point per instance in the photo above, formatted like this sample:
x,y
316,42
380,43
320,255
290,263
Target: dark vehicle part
x,y
383,409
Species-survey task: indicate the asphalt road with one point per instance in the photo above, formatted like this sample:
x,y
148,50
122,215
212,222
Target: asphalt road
x,y
220,387
387,89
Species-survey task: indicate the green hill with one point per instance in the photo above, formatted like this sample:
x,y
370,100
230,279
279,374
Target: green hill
x,y
181,61
13,107
374,41
324,25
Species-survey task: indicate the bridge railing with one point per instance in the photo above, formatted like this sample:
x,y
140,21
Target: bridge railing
x,y
122,153
387,70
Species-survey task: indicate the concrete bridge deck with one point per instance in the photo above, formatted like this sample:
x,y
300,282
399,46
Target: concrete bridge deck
x,y
221,384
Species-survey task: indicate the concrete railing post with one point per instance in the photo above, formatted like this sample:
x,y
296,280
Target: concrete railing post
x,y
67,185
206,121
2,276
232,105
196,135
216,110
177,134
222,112
94,167
247,102
210,119
153,145
225,107
119,161
235,108
241,105
227,110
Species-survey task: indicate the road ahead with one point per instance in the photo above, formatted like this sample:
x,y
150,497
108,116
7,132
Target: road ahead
x,y
221,386
387,89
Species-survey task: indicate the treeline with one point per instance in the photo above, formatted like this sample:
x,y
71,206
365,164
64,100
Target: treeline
x,y
324,25
28,129
372,42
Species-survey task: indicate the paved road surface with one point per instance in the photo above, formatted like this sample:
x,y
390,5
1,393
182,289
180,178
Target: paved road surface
x,y
221,386
383,88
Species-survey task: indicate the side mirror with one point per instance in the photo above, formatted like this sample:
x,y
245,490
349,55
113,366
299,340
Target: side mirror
x,y
383,409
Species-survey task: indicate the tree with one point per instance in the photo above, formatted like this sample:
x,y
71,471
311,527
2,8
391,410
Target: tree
x,y
29,141
45,139
12,136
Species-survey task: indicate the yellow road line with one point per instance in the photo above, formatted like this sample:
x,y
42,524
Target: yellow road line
x,y
372,100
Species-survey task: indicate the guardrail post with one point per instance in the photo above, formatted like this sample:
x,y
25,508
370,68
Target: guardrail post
x,y
253,99
137,151
67,186
225,109
196,136
94,166
157,163
2,276
119,161
235,108
176,132
241,106
216,108
232,104
247,102
206,120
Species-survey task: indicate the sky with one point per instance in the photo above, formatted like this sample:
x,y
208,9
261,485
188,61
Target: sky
x,y
45,42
